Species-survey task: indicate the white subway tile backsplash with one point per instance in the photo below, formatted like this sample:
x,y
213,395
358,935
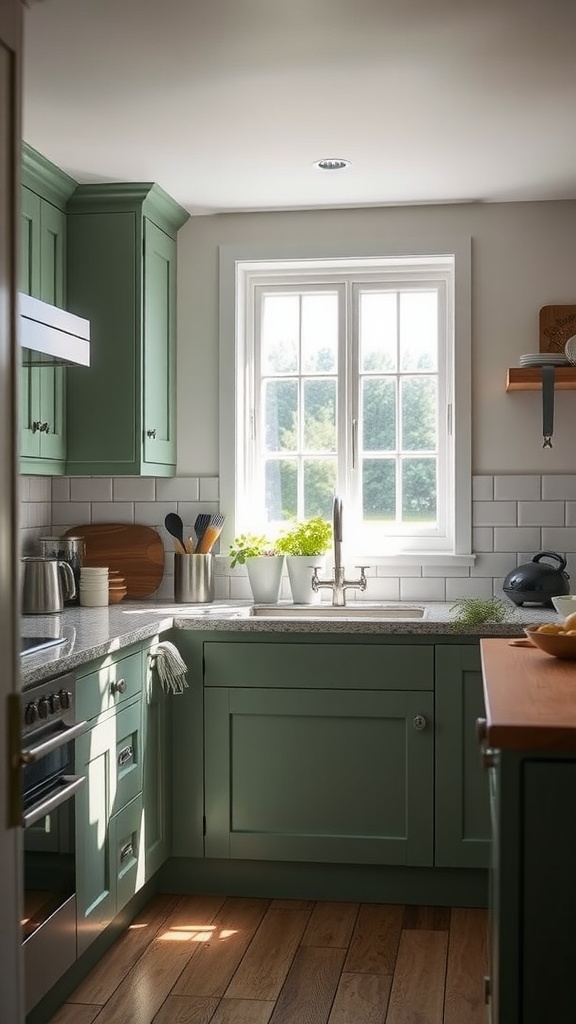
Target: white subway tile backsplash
x,y
91,488
561,488
152,513
378,589
40,488
495,564
456,588
541,513
71,513
570,513
113,512
178,488
61,488
209,488
240,588
516,539
24,488
482,488
494,513
399,570
517,488
559,539
482,538
134,489
422,590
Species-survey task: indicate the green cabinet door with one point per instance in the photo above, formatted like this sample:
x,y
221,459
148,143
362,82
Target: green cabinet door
x,y
122,277
462,811
156,787
319,775
42,387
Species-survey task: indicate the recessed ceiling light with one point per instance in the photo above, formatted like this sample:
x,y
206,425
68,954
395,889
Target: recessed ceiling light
x,y
331,164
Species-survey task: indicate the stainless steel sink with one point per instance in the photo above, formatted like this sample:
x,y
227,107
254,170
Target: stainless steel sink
x,y
361,610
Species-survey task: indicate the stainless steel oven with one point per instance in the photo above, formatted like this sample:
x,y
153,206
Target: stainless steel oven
x,y
49,784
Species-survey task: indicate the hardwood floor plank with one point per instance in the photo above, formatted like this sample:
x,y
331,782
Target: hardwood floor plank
x,y
293,904
417,995
308,992
467,965
375,939
186,1010
209,972
431,919
361,999
267,960
126,951
139,997
331,924
243,1011
68,1014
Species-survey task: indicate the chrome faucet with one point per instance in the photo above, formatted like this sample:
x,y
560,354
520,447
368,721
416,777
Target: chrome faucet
x,y
338,584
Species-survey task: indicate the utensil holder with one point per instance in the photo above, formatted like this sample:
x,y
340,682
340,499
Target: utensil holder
x,y
193,579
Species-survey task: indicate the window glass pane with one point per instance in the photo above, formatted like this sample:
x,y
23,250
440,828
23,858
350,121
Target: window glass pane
x,y
378,331
418,330
320,415
319,333
280,484
419,413
419,492
280,414
379,489
280,333
319,487
378,414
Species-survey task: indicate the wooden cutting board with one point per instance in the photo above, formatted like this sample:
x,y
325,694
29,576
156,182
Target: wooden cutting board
x,y
557,324
137,552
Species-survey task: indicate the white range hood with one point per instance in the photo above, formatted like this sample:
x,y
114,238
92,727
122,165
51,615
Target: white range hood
x,y
52,333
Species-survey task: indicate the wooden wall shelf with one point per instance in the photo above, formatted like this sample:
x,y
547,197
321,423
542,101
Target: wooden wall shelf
x,y
529,378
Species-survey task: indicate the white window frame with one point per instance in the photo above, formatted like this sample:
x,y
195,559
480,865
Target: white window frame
x,y
240,268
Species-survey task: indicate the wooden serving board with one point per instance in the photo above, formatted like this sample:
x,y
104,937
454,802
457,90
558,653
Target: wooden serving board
x,y
557,324
137,552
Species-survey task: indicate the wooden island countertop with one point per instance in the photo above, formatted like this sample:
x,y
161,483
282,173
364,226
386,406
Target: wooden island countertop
x,y
530,698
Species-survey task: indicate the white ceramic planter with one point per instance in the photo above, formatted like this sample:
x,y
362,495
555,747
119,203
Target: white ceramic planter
x,y
300,575
265,574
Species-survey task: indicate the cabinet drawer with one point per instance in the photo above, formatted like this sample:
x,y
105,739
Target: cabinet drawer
x,y
319,666
127,770
108,685
125,835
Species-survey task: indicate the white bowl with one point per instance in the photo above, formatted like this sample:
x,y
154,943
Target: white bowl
x,y
95,570
565,605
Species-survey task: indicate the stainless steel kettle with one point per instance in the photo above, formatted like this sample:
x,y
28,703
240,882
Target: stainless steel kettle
x,y
46,584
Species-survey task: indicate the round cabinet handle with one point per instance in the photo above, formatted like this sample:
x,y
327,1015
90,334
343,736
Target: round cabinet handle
x,y
419,723
119,686
152,433
36,427
45,428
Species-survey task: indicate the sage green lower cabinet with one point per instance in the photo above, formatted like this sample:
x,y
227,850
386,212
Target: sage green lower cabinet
x,y
327,756
532,888
156,785
110,756
462,812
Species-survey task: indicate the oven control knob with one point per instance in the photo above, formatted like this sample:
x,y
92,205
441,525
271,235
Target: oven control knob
x,y
43,707
54,703
65,699
30,714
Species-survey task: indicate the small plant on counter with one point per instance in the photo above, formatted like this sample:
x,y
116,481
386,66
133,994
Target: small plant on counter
x,y
250,545
309,537
475,611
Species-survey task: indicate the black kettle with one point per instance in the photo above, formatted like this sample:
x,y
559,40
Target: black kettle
x,y
536,582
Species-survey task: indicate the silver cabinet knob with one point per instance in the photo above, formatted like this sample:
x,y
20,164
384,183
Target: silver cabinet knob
x,y
119,686
419,722
152,433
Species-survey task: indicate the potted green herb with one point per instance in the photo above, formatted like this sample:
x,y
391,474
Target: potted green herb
x,y
305,545
264,564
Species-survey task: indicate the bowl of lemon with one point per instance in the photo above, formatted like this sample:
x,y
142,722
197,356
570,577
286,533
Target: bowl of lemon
x,y
555,638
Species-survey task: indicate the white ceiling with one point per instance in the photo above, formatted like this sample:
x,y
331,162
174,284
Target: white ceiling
x,y
227,103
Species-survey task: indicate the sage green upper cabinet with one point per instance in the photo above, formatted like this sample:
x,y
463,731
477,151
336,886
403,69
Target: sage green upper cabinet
x,y
45,191
122,278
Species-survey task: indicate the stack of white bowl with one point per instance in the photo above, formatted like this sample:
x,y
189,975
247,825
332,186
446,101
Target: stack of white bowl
x,y
93,586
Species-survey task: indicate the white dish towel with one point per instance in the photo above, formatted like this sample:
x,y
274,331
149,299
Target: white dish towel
x,y
170,666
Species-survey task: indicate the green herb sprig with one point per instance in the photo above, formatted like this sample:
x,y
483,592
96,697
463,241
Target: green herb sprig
x,y
476,611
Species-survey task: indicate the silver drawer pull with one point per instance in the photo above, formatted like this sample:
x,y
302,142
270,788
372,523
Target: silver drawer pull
x,y
119,686
126,851
419,723
125,755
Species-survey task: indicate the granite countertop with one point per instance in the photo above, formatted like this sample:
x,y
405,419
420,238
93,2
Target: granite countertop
x,y
95,632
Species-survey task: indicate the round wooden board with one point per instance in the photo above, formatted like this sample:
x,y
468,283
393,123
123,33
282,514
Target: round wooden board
x,y
137,552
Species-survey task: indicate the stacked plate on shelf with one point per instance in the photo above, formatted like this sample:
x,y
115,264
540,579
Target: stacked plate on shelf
x,y
542,358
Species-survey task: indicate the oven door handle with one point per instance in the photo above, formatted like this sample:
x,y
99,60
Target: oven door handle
x,y
33,754
40,810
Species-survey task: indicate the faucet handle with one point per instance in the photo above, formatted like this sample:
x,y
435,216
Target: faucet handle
x,y
363,579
